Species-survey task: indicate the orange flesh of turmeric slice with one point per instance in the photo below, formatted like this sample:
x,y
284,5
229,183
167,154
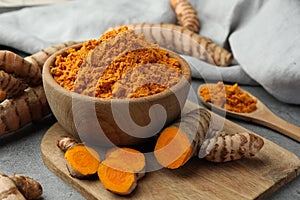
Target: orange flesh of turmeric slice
x,y
173,148
115,176
131,157
83,159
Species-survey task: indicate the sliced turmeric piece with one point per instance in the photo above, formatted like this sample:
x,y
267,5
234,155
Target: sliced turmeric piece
x,y
131,157
82,161
179,142
173,148
187,137
116,176
121,170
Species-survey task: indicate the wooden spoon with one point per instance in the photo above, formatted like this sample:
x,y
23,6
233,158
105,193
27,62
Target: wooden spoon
x,y
262,115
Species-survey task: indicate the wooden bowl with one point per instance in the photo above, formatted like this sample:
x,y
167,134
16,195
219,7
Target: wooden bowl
x,y
108,122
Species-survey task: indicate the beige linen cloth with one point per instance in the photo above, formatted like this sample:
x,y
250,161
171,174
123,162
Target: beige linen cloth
x,y
263,35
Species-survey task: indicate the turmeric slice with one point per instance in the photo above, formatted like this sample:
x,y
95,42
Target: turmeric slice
x,y
129,156
184,138
229,97
121,170
116,177
82,161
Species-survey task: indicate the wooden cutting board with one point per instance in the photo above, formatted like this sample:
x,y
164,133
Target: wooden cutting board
x,y
253,178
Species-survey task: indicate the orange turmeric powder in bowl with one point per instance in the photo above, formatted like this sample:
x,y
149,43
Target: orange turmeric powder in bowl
x,y
114,66
117,90
229,97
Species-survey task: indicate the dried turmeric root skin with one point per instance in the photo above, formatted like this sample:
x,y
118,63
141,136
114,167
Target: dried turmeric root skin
x,y
22,95
18,187
181,40
233,147
8,189
65,143
17,65
30,188
82,161
29,107
11,85
186,15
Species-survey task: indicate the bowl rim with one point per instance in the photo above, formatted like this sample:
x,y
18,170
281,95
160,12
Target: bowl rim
x,y
48,77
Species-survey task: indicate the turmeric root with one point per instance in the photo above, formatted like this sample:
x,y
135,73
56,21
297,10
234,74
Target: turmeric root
x,y
15,64
186,15
19,104
233,147
30,188
82,161
181,140
39,58
184,41
121,170
15,113
66,142
186,137
11,85
8,189
19,187
2,95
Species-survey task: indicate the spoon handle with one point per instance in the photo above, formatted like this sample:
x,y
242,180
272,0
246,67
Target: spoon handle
x,y
276,123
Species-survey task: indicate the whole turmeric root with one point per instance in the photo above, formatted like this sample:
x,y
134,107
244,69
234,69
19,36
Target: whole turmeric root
x,y
29,107
22,98
19,187
186,15
181,40
187,137
233,147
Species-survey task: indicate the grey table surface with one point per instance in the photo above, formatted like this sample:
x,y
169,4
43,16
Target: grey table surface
x,y
20,151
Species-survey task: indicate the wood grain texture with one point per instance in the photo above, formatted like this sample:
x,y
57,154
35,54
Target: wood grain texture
x,y
251,178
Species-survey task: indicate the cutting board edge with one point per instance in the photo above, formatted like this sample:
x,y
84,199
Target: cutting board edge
x,y
279,184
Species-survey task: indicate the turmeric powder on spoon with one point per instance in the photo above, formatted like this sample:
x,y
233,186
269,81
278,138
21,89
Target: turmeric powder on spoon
x,y
229,97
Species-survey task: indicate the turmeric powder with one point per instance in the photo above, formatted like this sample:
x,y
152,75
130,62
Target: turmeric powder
x,y
126,65
229,97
